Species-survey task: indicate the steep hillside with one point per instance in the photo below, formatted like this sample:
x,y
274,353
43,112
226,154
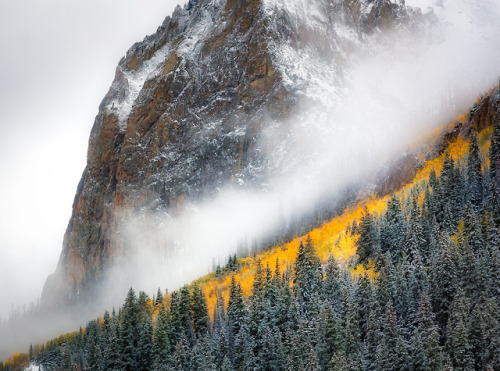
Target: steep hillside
x,y
337,237
405,281
188,110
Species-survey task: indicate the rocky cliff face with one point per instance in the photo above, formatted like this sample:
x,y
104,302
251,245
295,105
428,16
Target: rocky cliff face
x,y
188,106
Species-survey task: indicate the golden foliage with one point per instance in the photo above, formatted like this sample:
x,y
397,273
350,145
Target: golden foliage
x,y
332,237
18,360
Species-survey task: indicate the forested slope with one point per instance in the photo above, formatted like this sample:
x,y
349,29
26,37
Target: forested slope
x,y
407,282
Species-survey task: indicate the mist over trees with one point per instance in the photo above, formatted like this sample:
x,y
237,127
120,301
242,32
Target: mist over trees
x,y
433,305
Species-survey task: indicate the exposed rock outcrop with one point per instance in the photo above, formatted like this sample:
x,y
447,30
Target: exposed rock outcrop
x,y
185,111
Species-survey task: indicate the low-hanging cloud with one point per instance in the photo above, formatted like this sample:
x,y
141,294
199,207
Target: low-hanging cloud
x,y
346,127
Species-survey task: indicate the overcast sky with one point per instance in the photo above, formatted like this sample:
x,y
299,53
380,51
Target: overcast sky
x,y
57,61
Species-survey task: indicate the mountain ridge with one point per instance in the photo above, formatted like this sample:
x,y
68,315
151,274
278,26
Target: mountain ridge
x,y
339,237
185,113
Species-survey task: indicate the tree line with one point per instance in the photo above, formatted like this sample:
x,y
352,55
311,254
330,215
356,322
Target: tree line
x,y
433,305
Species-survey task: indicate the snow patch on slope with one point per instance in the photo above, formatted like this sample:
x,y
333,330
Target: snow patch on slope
x,y
33,367
134,80
198,31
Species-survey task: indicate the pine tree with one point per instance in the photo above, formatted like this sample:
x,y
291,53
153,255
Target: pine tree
x,y
257,312
113,358
371,340
493,205
386,285
181,320
467,269
444,282
494,269
161,343
199,312
94,356
236,315
272,356
393,352
474,172
182,355
350,324
339,362
235,308
328,333
457,333
128,332
308,274
393,227
426,351
159,297
494,152
219,312
472,229
367,239
144,341
312,363
331,285
402,290
271,294
362,297
220,344
226,365
484,332
66,361
286,310
202,358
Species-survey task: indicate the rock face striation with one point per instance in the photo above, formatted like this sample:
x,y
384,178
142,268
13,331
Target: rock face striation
x,y
189,104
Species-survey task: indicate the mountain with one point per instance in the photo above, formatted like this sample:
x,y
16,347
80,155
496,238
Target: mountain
x,y
406,281
190,105
245,125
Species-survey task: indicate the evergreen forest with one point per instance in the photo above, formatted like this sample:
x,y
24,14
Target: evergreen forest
x,y
432,303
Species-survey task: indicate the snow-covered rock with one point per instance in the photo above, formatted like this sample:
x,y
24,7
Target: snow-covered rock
x,y
204,103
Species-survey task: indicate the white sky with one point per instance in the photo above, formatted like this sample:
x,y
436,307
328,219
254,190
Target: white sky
x,y
57,61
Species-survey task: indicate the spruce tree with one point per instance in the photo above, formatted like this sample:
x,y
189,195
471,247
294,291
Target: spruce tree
x,y
159,297
444,282
181,319
371,340
236,314
367,239
393,351
199,312
128,332
271,295
257,312
113,353
474,172
457,333
391,230
161,343
426,351
202,355
350,324
182,355
331,285
308,274
144,341
219,312
328,335
494,152
94,356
